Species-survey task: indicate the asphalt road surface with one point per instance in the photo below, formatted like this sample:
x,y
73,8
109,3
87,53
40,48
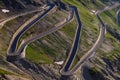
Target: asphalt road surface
x,y
91,52
34,38
15,38
75,44
3,21
65,70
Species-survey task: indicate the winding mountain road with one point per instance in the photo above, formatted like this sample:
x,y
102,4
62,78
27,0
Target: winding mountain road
x,y
29,40
65,70
75,44
12,46
3,21
91,52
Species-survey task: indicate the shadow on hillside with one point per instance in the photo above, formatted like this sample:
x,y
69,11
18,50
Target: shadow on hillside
x,y
33,69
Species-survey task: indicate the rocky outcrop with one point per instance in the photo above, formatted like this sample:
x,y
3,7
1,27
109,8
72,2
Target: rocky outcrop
x,y
36,71
102,69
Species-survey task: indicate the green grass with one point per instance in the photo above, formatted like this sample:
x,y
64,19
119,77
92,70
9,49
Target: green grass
x,y
111,55
86,17
112,38
113,41
109,17
36,57
70,28
49,18
96,70
47,50
88,20
53,39
43,49
96,4
3,72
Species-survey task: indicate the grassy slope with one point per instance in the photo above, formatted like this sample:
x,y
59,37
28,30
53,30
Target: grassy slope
x,y
90,27
3,72
40,52
55,47
8,30
108,17
43,24
62,45
89,21
35,57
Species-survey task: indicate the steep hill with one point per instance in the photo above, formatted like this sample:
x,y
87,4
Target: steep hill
x,y
41,55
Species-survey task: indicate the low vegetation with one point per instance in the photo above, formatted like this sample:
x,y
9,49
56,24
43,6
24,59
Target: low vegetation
x,y
36,57
3,72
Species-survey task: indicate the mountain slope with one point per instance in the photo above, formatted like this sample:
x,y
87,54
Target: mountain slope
x,y
42,54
